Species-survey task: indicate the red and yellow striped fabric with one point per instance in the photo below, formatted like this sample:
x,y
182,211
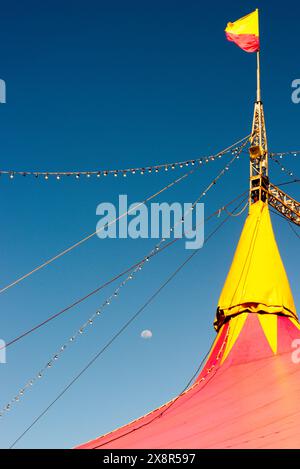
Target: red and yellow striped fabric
x,y
245,32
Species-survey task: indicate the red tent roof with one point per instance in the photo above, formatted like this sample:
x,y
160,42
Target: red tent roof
x,y
247,394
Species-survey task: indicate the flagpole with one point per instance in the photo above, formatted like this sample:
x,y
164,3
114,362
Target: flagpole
x,y
258,92
259,147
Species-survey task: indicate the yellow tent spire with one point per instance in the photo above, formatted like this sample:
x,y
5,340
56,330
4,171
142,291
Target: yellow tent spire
x,y
257,281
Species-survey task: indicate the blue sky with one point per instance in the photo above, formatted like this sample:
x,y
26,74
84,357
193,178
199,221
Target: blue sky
x,y
115,84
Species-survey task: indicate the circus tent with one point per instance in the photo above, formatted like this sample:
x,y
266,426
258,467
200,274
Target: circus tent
x,y
247,393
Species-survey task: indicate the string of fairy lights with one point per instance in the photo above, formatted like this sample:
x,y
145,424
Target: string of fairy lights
x,y
149,169
282,167
154,169
284,153
58,175
91,320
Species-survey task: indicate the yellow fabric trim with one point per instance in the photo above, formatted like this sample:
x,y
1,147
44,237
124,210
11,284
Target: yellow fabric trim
x,y
256,308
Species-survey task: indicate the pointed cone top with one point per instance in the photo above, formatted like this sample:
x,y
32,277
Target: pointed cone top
x,y
249,386
257,281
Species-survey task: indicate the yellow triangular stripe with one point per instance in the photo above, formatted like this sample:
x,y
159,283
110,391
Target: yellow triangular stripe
x,y
296,323
269,324
257,275
236,325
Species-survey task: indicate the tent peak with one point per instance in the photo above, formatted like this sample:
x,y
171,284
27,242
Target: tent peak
x,y
256,281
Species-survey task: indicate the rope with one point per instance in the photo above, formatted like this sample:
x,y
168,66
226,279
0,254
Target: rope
x,y
189,381
58,353
83,240
123,328
231,214
115,172
294,231
287,182
283,169
108,282
91,235
285,153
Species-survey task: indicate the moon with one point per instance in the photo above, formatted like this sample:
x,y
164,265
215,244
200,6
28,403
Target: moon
x,y
146,334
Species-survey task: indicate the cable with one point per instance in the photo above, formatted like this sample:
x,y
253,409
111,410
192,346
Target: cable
x,y
168,406
286,220
90,321
222,172
239,213
124,172
108,282
285,153
294,231
278,214
123,328
282,168
86,238
287,182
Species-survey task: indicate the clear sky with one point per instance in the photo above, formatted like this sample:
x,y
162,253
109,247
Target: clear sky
x,y
99,84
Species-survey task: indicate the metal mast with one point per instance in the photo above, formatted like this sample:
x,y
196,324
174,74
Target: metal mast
x,y
259,171
260,186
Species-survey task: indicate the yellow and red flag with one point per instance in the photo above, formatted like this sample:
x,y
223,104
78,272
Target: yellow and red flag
x,y
245,32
